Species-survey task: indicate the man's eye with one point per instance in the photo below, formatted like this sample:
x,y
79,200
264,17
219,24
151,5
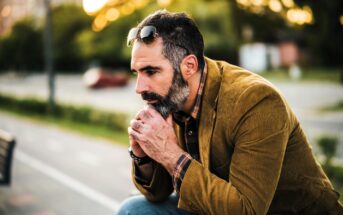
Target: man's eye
x,y
150,72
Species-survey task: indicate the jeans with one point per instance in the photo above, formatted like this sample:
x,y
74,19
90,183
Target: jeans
x,y
140,205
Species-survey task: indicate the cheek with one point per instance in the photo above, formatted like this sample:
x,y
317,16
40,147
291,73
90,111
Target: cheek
x,y
164,84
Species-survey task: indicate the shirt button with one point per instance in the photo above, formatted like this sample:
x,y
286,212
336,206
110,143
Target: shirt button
x,y
190,133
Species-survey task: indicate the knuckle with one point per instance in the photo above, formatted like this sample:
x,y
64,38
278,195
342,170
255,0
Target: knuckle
x,y
132,121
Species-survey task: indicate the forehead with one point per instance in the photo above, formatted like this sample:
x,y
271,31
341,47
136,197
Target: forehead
x,y
147,54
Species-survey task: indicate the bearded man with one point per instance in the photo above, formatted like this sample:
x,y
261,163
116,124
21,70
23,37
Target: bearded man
x,y
221,137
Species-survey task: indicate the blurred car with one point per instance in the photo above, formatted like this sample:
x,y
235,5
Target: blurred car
x,y
98,77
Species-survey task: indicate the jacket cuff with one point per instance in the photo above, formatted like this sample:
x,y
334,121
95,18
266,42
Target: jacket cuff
x,y
180,170
160,186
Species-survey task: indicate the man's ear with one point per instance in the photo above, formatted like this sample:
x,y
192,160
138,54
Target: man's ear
x,y
189,66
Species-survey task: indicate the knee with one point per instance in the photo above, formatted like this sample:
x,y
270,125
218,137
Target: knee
x,y
130,206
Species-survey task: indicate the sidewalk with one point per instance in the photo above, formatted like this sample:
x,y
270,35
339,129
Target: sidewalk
x,y
70,89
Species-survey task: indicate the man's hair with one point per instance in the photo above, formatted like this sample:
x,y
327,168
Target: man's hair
x,y
178,32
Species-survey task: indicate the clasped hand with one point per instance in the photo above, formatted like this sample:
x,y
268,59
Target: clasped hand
x,y
150,134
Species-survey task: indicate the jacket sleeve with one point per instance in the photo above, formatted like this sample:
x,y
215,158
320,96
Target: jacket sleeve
x,y
260,135
160,186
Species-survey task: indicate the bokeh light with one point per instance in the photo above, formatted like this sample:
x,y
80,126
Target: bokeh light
x,y
275,6
99,23
106,11
300,16
112,14
288,3
6,11
285,8
93,6
127,8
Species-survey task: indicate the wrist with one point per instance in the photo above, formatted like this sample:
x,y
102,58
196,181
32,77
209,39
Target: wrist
x,y
139,160
171,161
137,150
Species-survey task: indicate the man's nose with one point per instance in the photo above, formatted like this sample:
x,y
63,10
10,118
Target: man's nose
x,y
141,84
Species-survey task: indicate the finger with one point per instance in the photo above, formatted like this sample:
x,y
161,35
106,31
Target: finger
x,y
130,136
153,112
136,136
136,124
145,115
137,116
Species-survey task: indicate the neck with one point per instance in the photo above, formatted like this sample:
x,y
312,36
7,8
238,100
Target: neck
x,y
193,84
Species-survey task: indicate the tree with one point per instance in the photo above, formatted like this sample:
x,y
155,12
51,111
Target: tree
x,y
219,35
68,21
107,47
325,37
22,49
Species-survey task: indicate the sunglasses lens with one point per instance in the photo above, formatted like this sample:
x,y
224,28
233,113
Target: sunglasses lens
x,y
148,33
132,36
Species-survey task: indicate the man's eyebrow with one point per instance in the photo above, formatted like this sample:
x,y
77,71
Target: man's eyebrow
x,y
147,68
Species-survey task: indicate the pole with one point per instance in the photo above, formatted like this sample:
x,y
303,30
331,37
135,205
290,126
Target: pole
x,y
49,67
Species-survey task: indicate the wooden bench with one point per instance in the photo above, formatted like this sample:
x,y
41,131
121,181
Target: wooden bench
x,y
7,143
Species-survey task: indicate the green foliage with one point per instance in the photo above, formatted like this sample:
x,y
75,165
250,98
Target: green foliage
x,y
87,115
22,49
328,146
265,27
308,74
335,173
107,47
75,45
68,21
335,107
27,105
214,19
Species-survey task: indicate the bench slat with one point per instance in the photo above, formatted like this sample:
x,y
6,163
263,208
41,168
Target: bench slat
x,y
7,144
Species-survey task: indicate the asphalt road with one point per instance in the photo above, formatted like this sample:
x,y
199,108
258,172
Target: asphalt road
x,y
59,172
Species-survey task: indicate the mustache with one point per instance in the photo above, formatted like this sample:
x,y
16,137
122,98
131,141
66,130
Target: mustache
x,y
148,96
162,105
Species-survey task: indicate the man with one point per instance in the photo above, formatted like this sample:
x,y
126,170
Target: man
x,y
222,137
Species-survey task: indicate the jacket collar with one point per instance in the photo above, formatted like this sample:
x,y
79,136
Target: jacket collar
x,y
207,111
212,84
208,108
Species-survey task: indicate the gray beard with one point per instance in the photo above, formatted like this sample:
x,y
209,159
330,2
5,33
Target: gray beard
x,y
176,97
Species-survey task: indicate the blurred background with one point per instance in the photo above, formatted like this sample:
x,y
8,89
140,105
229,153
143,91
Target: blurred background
x,y
66,93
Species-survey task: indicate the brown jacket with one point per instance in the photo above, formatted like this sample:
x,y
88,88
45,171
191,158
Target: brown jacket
x,y
255,158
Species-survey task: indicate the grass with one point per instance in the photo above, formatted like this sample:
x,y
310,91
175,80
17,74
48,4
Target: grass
x,y
335,173
90,130
335,107
308,74
85,120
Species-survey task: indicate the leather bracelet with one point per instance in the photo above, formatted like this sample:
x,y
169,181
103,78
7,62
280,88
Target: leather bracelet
x,y
139,160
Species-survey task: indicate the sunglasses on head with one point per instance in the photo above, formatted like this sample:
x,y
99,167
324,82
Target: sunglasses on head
x,y
147,34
